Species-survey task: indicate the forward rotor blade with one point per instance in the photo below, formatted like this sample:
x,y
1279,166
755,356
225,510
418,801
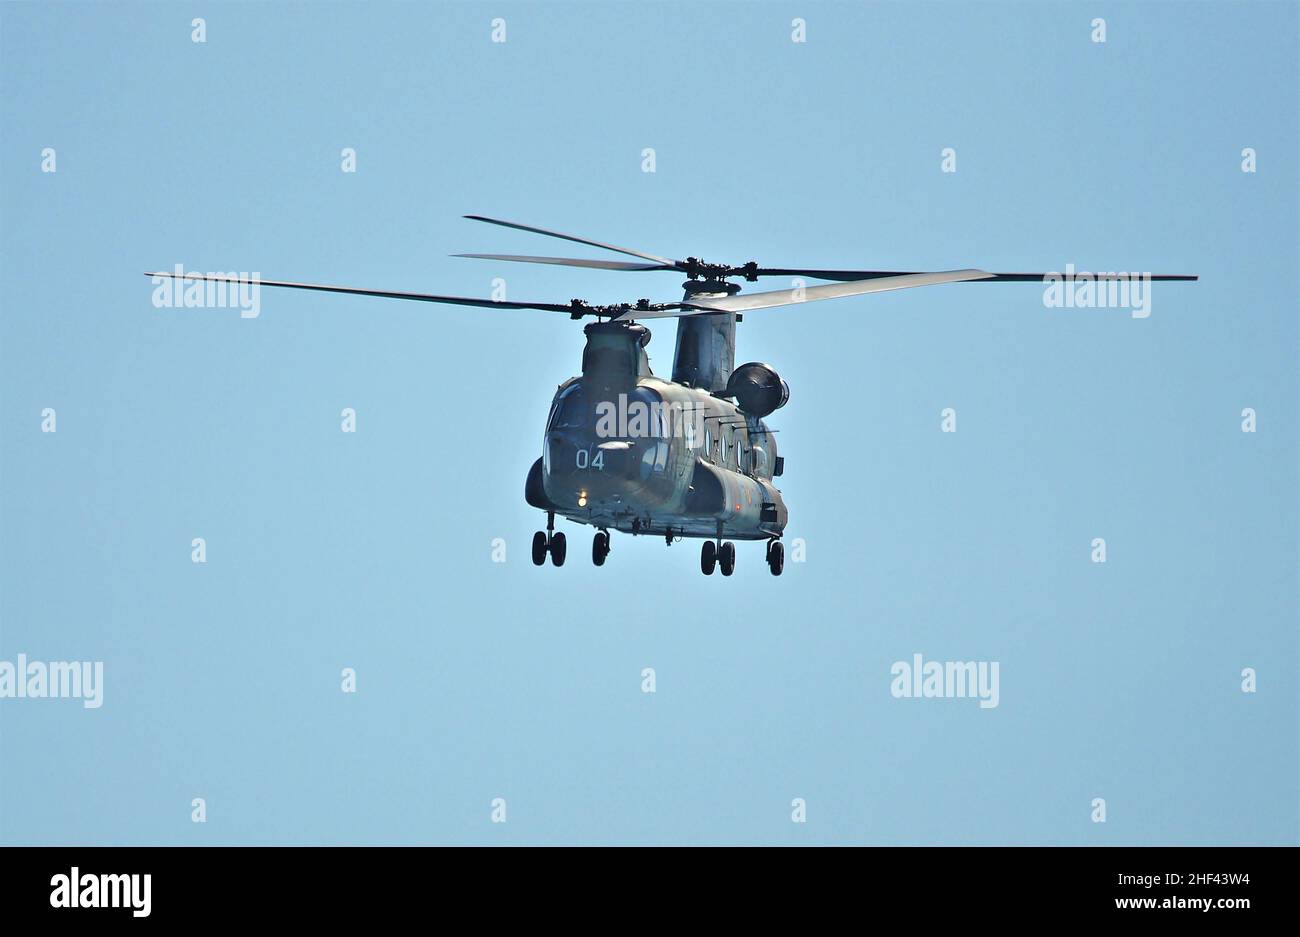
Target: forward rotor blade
x,y
1040,277
744,303
992,277
569,262
387,294
672,264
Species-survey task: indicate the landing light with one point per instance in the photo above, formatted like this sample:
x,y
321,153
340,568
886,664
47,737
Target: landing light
x,y
582,499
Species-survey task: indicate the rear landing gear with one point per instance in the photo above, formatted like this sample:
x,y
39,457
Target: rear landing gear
x,y
600,547
708,557
775,556
548,541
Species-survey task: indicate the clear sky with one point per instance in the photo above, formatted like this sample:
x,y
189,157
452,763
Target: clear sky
x,y
479,680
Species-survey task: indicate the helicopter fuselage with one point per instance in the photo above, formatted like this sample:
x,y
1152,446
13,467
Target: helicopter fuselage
x,y
626,450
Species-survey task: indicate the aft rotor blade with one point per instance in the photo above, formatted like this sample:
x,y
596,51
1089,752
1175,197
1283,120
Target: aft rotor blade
x,y
992,277
569,262
744,303
387,294
672,264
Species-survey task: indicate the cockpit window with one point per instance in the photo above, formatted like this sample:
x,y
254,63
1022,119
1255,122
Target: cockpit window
x,y
571,410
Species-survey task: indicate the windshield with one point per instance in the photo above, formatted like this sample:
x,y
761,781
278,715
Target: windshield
x,y
570,410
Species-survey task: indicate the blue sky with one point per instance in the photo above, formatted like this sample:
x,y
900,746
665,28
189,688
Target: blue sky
x,y
372,550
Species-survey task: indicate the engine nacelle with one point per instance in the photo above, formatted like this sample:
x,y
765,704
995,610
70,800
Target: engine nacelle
x,y
757,388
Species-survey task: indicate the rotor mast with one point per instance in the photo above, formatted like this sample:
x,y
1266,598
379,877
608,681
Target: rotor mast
x,y
705,354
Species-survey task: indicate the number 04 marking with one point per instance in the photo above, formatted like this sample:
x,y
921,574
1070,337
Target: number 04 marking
x,y
583,458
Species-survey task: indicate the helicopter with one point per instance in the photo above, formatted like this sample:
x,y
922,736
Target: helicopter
x,y
687,456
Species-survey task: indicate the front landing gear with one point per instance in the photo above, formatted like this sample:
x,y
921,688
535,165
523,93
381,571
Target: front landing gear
x,y
548,541
727,558
722,555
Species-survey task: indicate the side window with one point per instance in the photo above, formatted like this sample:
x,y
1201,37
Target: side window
x,y
708,442
726,449
654,459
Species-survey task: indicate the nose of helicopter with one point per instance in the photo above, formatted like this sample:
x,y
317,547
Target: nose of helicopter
x,y
582,471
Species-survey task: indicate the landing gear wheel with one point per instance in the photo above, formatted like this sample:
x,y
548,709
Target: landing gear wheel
x,y
539,548
727,558
600,547
776,557
708,557
558,549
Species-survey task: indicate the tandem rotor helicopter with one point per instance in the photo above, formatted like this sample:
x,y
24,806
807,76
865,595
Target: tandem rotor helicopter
x,y
687,456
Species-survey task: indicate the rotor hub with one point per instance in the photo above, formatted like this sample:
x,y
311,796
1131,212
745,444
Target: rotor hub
x,y
695,269
579,308
711,285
